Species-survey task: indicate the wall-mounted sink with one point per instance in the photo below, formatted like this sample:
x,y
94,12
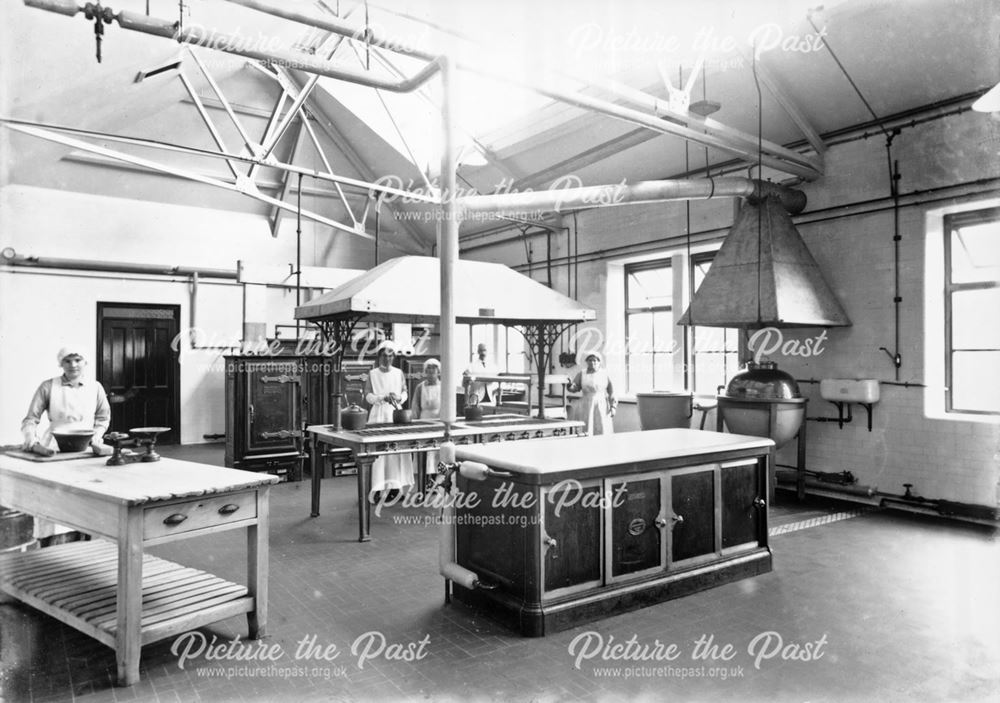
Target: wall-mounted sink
x,y
849,390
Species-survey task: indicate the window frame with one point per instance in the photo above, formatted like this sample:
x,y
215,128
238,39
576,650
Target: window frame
x,y
952,223
665,263
690,332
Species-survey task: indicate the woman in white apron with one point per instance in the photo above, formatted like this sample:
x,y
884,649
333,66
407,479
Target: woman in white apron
x,y
427,406
71,402
385,390
597,404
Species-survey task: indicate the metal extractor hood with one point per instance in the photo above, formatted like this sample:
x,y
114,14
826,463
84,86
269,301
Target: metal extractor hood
x,y
764,276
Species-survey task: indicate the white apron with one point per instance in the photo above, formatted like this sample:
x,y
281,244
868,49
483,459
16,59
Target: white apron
x,y
70,408
393,470
592,407
430,409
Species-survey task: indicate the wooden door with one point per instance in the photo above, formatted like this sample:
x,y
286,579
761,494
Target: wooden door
x,y
138,368
571,541
636,540
692,499
742,504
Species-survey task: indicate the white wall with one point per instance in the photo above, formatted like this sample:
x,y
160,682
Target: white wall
x,y
40,309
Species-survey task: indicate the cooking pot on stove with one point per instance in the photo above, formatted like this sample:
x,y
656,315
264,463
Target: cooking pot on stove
x,y
402,416
353,417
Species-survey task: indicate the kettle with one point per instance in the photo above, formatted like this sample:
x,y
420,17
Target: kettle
x,y
353,417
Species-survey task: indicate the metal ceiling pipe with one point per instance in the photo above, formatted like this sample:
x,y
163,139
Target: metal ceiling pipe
x,y
11,258
364,34
235,44
794,201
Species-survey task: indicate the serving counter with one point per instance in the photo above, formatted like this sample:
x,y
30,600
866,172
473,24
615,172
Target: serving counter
x,y
575,530
383,439
108,588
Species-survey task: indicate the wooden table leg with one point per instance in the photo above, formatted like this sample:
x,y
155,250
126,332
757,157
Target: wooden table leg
x,y
257,564
364,484
128,632
316,464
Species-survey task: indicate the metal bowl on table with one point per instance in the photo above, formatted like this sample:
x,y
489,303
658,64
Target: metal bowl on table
x,y
73,440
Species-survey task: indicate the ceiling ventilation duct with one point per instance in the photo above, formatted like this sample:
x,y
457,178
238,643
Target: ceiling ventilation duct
x,y
764,276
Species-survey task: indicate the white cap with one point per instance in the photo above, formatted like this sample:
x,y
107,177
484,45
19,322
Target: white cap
x,y
388,346
592,353
70,350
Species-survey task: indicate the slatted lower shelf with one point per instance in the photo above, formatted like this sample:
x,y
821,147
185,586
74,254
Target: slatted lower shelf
x,y
76,583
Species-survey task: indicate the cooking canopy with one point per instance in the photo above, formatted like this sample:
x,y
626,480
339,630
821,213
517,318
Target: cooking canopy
x,y
408,289
764,276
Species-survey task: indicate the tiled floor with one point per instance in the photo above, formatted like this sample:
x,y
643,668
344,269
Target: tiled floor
x,y
892,607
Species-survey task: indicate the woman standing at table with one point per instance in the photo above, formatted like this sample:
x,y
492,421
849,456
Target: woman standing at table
x,y
597,404
427,406
385,390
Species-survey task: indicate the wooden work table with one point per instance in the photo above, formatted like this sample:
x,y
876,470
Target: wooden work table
x,y
377,440
567,532
108,588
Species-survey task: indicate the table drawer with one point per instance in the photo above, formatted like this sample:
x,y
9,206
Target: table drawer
x,y
198,513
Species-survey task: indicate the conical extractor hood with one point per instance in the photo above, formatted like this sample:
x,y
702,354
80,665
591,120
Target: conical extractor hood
x,y
764,276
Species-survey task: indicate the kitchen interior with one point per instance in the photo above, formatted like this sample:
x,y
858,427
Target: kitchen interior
x,y
774,226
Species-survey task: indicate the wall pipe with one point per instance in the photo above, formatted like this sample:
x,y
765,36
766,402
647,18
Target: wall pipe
x,y
10,258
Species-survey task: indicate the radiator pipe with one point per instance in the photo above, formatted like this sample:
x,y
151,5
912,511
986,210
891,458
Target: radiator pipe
x,y
790,478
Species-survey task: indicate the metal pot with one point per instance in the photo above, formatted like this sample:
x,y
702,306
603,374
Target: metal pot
x,y
73,440
763,401
473,412
402,416
763,381
353,417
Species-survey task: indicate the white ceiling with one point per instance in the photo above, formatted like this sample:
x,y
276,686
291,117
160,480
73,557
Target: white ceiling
x,y
902,54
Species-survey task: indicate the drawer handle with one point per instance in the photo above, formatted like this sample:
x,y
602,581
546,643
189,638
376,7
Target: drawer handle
x,y
175,519
228,509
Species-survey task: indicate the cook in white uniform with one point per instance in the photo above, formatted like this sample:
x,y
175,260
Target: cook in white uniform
x,y
485,393
385,390
597,404
72,403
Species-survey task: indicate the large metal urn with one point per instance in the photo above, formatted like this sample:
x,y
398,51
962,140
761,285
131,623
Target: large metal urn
x,y
763,401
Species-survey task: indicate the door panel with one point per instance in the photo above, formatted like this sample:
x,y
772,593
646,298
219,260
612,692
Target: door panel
x,y
273,397
573,556
740,517
636,539
693,503
138,368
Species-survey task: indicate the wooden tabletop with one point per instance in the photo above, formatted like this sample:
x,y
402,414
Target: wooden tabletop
x,y
131,484
574,453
